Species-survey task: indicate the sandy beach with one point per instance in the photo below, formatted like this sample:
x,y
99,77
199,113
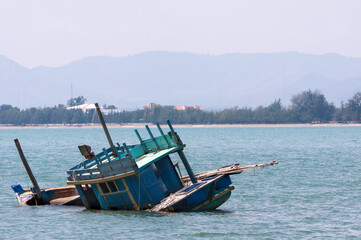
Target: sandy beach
x,y
140,125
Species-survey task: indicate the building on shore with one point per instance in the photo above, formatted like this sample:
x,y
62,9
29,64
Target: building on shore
x,y
88,107
176,107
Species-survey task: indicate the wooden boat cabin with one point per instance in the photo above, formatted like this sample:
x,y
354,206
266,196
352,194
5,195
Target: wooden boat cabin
x,y
143,176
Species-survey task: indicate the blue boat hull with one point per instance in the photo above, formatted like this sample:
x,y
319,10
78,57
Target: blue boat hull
x,y
143,177
133,191
206,205
207,194
141,192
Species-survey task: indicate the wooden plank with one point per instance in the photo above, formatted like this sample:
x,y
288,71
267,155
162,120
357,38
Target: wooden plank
x,y
152,137
149,158
180,195
230,170
28,170
98,180
163,136
106,130
64,200
141,141
136,207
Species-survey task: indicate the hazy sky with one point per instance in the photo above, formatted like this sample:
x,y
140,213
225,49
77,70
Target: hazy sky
x,y
54,33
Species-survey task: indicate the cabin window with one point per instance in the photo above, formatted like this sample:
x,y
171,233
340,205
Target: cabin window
x,y
109,188
104,188
112,187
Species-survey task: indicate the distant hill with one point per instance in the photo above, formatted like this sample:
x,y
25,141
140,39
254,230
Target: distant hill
x,y
212,82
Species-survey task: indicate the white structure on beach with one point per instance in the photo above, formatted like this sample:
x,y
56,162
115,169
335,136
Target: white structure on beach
x,y
87,107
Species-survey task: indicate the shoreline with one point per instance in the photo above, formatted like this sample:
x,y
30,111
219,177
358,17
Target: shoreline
x,y
140,125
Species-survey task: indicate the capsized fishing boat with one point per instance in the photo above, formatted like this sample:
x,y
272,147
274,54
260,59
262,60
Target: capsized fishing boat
x,y
143,176
67,196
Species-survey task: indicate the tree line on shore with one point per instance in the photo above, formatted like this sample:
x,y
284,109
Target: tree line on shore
x,y
306,107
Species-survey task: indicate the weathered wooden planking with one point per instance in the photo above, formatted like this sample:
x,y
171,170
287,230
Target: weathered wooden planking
x,y
71,200
181,195
230,170
67,195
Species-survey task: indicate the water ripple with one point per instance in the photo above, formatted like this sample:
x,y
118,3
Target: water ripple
x,y
313,193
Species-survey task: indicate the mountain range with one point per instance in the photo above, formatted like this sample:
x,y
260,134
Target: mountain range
x,y
171,78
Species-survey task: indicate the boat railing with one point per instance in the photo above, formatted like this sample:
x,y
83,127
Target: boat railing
x,y
101,157
83,174
108,163
104,169
103,164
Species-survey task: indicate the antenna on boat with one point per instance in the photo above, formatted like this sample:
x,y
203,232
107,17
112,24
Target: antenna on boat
x,y
115,153
28,170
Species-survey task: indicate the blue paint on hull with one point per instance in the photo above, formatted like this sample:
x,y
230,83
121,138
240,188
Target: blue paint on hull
x,y
138,177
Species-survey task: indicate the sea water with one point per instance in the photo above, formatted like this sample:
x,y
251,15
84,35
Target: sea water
x,y
314,191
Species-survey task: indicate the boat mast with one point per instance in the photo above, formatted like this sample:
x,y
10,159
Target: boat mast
x,y
115,153
28,169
